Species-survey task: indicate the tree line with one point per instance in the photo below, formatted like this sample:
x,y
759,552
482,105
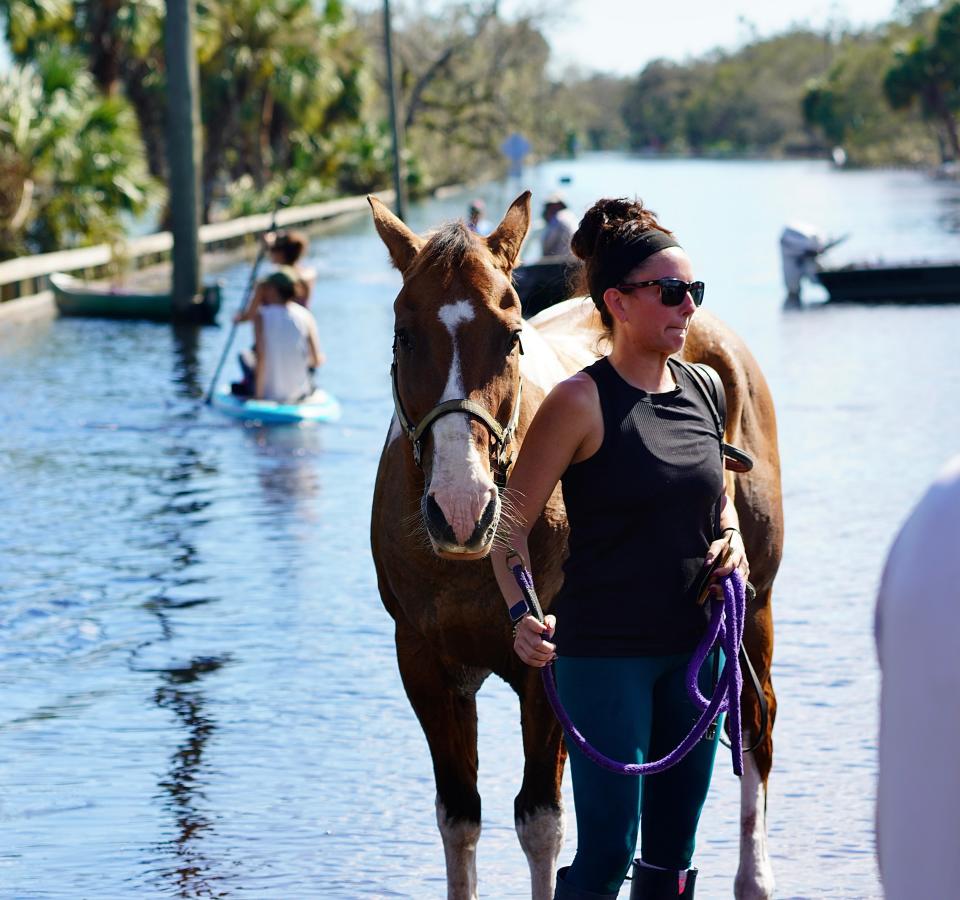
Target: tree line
x,y
293,103
885,95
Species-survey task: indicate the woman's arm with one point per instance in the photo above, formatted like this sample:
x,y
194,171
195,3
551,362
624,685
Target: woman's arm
x,y
568,421
304,287
248,314
260,350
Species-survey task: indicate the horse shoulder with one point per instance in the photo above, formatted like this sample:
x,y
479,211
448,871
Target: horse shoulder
x,y
573,331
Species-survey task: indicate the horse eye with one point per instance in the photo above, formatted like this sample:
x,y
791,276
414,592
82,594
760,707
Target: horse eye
x,y
515,341
401,339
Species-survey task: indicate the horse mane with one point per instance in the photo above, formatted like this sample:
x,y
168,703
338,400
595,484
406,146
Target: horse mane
x,y
447,250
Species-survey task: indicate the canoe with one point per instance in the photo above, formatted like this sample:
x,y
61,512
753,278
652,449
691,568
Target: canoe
x,y
922,282
320,406
78,298
543,283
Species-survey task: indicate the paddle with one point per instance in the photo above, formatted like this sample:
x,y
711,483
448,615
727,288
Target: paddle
x,y
251,284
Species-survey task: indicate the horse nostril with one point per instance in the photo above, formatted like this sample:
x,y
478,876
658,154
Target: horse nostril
x,y
487,520
437,521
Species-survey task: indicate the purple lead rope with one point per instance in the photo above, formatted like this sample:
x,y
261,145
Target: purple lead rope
x,y
726,625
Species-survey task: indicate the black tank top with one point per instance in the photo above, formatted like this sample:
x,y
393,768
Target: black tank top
x,y
642,512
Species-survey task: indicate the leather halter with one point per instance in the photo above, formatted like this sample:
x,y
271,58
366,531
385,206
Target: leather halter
x,y
500,436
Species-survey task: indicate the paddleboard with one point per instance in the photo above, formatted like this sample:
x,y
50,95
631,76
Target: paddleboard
x,y
320,406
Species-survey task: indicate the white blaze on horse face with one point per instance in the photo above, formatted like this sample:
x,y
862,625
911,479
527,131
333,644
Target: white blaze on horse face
x,y
754,879
459,482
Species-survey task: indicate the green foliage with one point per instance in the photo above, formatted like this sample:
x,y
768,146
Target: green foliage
x,y
807,92
77,156
846,105
282,84
927,71
282,80
467,79
588,109
655,106
744,102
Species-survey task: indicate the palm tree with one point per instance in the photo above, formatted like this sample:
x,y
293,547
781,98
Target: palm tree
x,y
77,154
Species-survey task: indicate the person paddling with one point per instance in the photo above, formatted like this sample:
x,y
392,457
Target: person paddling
x,y
286,344
286,250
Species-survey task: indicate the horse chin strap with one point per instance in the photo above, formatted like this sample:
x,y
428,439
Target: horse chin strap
x,y
500,436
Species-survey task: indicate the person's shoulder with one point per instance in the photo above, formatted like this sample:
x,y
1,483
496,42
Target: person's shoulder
x,y
570,410
938,511
575,395
298,311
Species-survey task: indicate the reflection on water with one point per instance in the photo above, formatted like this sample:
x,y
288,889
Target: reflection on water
x,y
177,585
192,874
201,696
186,360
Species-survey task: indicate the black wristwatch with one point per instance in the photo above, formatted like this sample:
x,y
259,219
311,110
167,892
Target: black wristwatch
x,y
518,612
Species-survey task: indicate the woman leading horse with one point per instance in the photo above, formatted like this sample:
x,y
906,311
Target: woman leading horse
x,y
466,386
634,442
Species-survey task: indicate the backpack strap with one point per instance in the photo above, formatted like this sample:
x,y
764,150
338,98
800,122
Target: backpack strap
x,y
711,387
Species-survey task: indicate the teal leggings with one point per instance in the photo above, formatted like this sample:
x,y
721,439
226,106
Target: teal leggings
x,y
633,709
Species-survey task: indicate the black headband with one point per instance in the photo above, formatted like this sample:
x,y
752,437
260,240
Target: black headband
x,y
625,256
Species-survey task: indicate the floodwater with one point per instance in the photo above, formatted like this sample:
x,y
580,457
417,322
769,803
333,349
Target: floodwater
x,y
200,696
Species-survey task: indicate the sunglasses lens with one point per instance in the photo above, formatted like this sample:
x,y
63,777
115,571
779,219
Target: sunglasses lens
x,y
672,291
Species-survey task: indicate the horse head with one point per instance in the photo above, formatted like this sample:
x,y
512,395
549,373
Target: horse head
x,y
456,370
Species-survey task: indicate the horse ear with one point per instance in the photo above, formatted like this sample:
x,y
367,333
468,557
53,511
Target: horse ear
x,y
402,243
506,240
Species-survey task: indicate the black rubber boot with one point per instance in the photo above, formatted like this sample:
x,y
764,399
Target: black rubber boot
x,y
567,891
650,883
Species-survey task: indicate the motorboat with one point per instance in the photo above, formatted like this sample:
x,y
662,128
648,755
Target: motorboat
x,y
918,281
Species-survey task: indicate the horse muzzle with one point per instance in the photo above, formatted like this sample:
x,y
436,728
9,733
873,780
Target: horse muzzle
x,y
471,542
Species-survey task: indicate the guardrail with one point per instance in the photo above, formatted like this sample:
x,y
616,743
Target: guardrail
x,y
26,276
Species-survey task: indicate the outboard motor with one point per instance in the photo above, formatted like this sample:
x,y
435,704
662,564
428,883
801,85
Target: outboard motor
x,y
800,245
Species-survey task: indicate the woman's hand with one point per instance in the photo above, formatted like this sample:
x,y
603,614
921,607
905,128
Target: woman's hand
x,y
736,559
530,643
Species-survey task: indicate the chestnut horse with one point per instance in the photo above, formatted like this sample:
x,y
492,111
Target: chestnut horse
x,y
465,390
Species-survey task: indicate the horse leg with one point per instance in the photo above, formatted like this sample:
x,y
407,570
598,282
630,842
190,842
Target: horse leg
x,y
538,809
754,879
446,706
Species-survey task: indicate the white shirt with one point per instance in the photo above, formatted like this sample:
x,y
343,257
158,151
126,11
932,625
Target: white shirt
x,y
918,642
285,330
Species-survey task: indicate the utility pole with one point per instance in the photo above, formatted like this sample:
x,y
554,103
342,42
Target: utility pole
x,y
184,150
398,180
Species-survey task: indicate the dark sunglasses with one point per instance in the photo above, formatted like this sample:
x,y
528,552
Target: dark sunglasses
x,y
672,290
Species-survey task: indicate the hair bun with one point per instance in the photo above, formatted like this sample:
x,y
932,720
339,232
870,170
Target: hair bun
x,y
603,220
